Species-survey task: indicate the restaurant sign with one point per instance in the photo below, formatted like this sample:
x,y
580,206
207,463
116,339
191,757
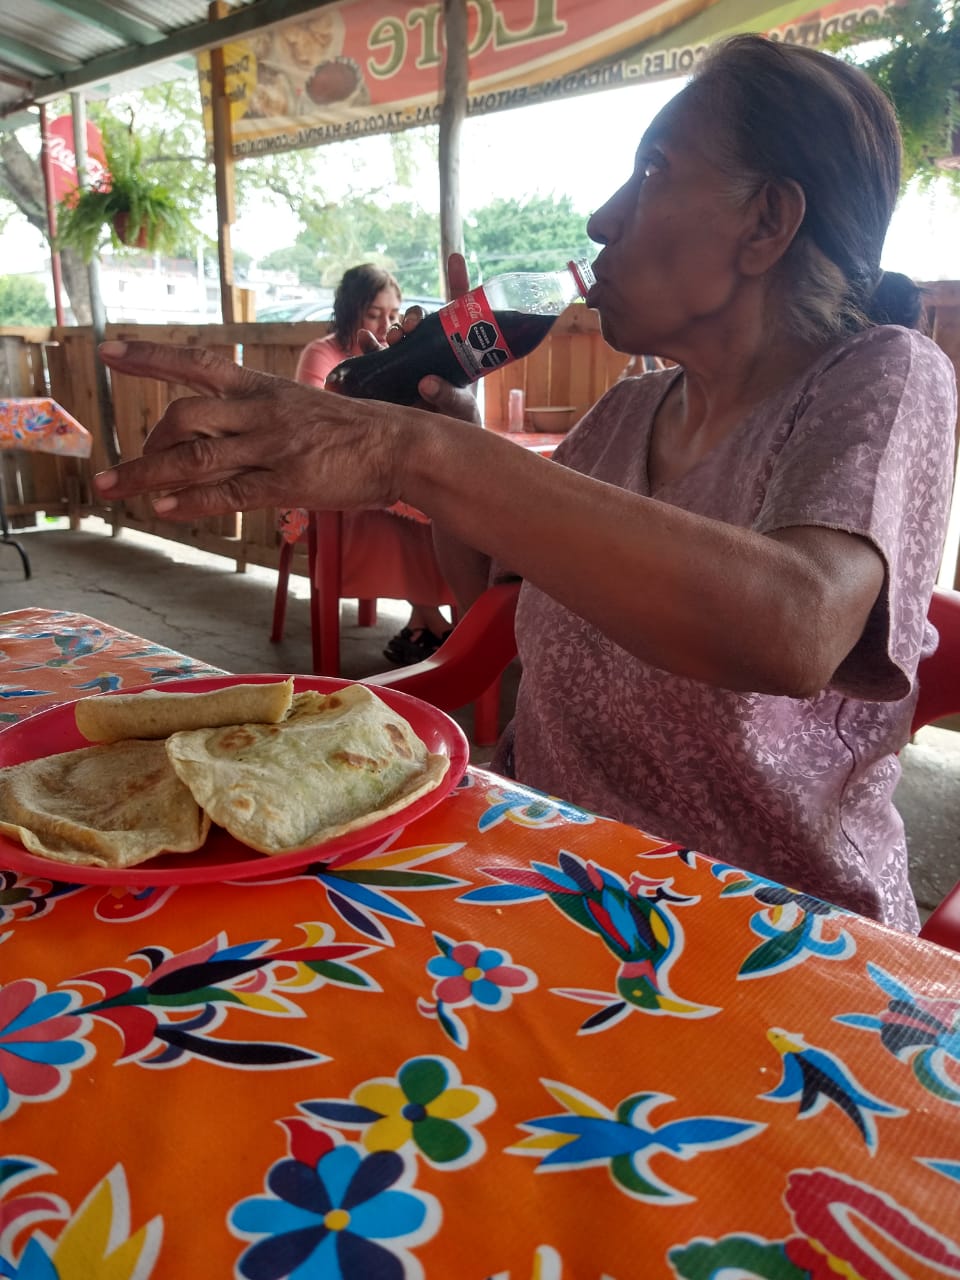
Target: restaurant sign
x,y
362,66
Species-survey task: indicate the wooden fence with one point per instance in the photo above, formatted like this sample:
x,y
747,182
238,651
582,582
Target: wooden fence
x,y
574,366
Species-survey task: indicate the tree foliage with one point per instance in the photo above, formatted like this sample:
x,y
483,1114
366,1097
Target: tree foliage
x,y
23,301
402,238
918,68
536,234
381,221
539,233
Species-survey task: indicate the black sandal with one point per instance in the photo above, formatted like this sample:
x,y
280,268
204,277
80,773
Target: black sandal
x,y
413,645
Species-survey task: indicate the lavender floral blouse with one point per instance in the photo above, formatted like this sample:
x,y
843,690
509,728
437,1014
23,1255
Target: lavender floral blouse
x,y
796,789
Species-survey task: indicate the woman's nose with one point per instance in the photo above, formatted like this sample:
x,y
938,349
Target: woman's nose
x,y
603,223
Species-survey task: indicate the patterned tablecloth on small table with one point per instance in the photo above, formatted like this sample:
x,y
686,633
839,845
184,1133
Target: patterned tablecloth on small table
x,y
38,425
515,1041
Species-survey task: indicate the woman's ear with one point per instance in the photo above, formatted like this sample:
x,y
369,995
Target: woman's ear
x,y
778,209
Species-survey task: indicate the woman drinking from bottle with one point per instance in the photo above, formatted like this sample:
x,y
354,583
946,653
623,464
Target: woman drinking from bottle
x,y
726,581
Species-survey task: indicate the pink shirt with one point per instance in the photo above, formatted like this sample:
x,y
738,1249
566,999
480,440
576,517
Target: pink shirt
x,y
320,356
795,789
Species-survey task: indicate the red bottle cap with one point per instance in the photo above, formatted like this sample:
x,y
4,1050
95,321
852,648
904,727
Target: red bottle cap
x,y
583,275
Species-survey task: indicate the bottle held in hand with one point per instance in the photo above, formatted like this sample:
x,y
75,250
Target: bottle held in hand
x,y
499,321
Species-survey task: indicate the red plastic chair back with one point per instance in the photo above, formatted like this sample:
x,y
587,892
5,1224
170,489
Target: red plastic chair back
x,y
470,661
939,677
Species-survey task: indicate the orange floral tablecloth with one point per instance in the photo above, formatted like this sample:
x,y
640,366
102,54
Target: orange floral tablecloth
x,y
518,1041
40,425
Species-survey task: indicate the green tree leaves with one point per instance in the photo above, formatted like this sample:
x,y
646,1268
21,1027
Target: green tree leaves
x,y
539,233
23,301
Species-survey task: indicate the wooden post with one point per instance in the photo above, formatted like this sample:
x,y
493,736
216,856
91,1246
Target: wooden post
x,y
223,168
45,166
453,110
78,110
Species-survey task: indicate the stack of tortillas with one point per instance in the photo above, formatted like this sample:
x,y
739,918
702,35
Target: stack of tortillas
x,y
279,771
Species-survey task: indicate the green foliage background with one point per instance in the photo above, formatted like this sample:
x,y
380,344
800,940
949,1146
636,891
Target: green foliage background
x,y
23,301
384,220
385,223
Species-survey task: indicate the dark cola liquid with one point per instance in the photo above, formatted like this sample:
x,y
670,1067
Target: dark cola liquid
x,y
394,373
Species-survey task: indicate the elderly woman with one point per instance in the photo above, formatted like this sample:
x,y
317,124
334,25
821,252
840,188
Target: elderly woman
x,y
726,582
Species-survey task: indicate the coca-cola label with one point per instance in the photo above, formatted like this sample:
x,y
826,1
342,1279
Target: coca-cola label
x,y
63,160
475,337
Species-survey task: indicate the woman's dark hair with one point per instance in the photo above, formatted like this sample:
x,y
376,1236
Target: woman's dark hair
x,y
357,289
789,112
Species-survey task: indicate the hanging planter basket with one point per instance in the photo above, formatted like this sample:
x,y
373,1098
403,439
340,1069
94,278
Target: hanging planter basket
x,y
127,200
121,225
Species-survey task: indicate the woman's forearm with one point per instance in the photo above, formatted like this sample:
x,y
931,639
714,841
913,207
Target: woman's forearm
x,y
703,599
466,570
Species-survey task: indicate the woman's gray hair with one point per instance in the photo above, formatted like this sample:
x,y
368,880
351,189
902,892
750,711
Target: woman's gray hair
x,y
789,112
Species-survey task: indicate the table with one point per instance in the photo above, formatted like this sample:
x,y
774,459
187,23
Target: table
x,y
517,1041
38,425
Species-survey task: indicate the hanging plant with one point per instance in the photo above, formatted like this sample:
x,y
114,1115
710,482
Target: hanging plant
x,y
133,210
919,70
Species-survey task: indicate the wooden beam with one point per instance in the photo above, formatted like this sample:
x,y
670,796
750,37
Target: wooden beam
x,y
453,110
223,168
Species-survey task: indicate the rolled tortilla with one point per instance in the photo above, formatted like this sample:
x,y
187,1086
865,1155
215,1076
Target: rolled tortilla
x,y
157,714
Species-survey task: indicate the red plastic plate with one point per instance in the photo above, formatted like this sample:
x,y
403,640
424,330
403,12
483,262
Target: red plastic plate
x,y
223,857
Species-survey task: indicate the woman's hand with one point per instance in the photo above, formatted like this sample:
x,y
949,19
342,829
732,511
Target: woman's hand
x,y
249,440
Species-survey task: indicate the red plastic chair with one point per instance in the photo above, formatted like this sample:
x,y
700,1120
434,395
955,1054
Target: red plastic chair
x,y
939,677
466,668
324,550
468,665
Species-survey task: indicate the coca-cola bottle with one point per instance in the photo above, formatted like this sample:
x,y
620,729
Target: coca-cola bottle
x,y
499,321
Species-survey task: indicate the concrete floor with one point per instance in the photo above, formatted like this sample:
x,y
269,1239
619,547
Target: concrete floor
x,y
197,604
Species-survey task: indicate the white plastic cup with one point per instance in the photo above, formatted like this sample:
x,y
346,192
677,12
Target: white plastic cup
x,y
515,410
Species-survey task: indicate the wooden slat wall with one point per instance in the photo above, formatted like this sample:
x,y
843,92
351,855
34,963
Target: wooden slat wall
x,y
574,366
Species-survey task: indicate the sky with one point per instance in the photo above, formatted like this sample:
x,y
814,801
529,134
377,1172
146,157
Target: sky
x,y
580,146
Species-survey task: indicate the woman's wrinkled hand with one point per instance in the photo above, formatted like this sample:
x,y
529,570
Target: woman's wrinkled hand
x,y
249,440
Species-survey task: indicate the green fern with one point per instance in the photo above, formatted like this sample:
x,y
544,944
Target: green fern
x,y
919,71
87,219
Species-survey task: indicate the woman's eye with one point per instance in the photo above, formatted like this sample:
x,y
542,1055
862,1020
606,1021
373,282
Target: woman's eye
x,y
648,166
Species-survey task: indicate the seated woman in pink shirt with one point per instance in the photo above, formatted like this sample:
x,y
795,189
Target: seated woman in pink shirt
x,y
367,297
393,551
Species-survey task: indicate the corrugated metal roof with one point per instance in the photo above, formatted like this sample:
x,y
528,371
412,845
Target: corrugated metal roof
x,y
50,47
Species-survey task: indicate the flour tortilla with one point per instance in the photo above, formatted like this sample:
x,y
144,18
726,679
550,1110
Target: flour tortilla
x,y
157,714
338,762
110,806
